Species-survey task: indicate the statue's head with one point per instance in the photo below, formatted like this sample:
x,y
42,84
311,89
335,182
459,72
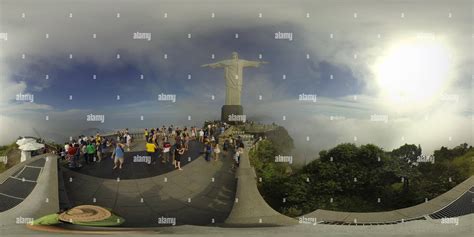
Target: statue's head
x,y
235,55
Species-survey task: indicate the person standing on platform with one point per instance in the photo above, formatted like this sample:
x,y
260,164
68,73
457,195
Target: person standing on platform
x,y
146,134
179,151
166,150
118,155
90,152
216,152
207,150
201,136
151,150
128,140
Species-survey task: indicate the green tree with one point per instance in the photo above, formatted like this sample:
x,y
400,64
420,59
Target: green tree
x,y
352,178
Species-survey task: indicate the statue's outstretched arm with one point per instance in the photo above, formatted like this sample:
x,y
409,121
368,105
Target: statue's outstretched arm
x,y
213,65
253,63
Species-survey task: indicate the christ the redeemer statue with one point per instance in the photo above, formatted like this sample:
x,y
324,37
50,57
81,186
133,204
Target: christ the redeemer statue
x,y
233,69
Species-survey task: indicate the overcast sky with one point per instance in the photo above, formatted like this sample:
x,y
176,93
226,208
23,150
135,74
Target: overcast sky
x,y
345,39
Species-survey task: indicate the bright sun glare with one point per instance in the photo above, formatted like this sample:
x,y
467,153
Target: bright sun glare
x,y
413,72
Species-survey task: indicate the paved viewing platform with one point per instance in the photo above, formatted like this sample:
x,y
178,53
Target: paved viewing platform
x,y
201,194
250,209
137,170
29,190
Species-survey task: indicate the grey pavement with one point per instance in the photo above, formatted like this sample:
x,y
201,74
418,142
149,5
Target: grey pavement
x,y
250,209
201,194
38,194
419,228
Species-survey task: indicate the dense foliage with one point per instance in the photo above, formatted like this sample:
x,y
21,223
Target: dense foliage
x,y
359,178
4,151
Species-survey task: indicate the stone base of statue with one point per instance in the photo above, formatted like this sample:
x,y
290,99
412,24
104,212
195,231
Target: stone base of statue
x,y
233,114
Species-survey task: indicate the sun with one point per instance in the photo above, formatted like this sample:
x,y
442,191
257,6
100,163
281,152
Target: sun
x,y
413,72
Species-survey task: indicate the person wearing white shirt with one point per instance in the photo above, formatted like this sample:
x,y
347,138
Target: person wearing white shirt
x,y
128,138
201,135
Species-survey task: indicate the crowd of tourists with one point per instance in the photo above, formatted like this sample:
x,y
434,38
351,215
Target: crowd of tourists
x,y
86,149
168,143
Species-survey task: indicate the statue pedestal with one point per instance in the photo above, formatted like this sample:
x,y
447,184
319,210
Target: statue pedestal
x,y
233,114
